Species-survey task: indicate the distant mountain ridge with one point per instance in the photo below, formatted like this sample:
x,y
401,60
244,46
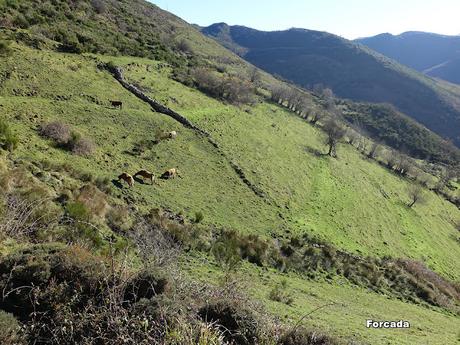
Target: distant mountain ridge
x,y
433,54
350,69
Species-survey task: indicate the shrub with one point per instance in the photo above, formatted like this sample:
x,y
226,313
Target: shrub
x,y
79,145
10,329
146,284
43,277
227,253
93,199
118,219
279,293
302,336
198,217
57,131
8,140
99,6
184,46
238,322
5,48
78,211
21,21
103,184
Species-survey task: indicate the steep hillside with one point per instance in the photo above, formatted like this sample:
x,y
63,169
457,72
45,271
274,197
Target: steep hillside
x,y
305,194
352,71
259,228
435,55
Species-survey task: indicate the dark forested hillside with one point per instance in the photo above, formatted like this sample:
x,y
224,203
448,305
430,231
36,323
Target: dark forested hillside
x,y
352,71
433,54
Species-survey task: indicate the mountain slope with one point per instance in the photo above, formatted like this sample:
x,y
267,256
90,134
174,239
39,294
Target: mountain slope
x,y
352,71
313,211
312,194
433,54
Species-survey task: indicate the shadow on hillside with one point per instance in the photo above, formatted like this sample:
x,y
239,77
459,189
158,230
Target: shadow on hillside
x,y
117,184
314,151
139,180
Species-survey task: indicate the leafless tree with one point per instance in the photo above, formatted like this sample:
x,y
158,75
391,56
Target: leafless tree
x,y
254,76
279,94
374,151
184,46
447,175
404,164
334,133
416,194
316,116
352,136
305,107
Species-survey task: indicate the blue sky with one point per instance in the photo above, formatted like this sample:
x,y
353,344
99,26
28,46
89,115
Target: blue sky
x,y
350,19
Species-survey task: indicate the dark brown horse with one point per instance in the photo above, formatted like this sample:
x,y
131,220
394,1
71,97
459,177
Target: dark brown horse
x,y
145,174
117,104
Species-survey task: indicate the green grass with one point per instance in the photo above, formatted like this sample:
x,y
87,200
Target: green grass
x,y
338,200
351,307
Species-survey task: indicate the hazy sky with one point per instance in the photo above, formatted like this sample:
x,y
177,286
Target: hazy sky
x,y
350,19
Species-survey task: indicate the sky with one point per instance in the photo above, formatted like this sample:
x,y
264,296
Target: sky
x,y
350,19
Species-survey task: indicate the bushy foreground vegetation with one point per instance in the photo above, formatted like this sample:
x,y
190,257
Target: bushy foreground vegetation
x,y
115,291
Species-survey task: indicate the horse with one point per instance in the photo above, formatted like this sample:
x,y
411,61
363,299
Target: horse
x,y
171,173
127,178
117,104
145,174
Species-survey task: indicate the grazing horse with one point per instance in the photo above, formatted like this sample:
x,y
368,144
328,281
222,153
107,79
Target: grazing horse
x,y
145,174
127,178
117,104
171,173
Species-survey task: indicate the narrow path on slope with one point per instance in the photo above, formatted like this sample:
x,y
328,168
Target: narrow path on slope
x,y
160,108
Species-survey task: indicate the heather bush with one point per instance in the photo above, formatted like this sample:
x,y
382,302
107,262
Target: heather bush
x,y
57,131
79,145
10,330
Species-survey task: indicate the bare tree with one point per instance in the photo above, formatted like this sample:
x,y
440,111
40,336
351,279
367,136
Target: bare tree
x,y
352,136
374,151
416,194
279,94
334,133
447,175
254,76
305,107
404,164
316,116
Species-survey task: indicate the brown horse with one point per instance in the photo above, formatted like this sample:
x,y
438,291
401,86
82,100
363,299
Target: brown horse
x,y
127,178
171,173
145,174
117,104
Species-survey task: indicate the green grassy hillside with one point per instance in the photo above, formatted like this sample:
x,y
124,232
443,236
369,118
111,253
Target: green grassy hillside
x,y
339,200
350,206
